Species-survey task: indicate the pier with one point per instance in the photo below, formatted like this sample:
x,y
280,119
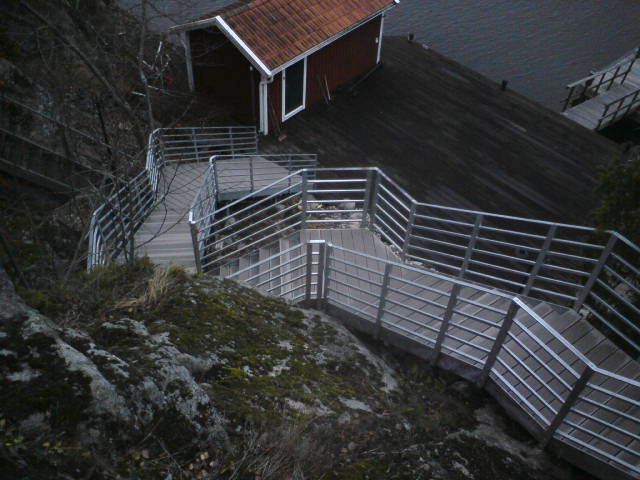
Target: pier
x,y
606,96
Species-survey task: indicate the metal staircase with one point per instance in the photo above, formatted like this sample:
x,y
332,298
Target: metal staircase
x,y
502,301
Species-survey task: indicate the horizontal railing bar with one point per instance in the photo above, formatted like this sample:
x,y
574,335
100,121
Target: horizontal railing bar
x,y
397,200
443,220
518,397
434,262
386,236
607,424
346,190
438,242
380,209
598,451
621,279
609,408
622,299
416,226
264,229
611,393
551,292
544,384
250,245
453,325
356,266
358,289
433,316
395,210
571,257
529,389
391,230
498,267
620,316
436,252
601,437
544,365
609,325
356,277
464,354
492,277
548,266
405,329
350,307
553,332
251,225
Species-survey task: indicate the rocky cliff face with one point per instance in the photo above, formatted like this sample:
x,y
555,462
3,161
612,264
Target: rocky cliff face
x,y
171,376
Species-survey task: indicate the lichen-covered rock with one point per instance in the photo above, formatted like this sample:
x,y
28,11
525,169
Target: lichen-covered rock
x,y
64,380
167,375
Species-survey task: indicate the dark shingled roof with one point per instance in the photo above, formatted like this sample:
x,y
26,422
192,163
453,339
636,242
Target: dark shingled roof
x,y
279,30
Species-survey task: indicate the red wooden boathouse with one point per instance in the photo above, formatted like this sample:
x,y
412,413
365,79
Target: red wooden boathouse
x,y
271,59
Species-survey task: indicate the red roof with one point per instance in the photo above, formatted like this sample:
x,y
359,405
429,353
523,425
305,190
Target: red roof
x,y
277,31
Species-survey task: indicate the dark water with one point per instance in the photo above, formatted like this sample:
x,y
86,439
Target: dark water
x,y
538,45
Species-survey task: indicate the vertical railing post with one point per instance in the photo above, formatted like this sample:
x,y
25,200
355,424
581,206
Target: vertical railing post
x,y
497,343
231,142
383,299
367,198
373,201
578,387
193,228
309,272
471,246
446,318
568,99
322,273
251,174
303,199
542,255
595,273
195,144
409,232
92,243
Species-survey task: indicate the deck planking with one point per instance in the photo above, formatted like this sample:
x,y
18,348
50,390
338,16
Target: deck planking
x,y
455,140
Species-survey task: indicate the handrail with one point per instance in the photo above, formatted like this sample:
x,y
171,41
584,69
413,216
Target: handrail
x,y
114,223
556,262
628,107
308,271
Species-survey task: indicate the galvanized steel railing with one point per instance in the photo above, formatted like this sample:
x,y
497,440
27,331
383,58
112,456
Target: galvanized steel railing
x,y
619,108
115,222
602,80
499,338
569,265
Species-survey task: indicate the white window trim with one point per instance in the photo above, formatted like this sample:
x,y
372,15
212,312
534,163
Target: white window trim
x,y
288,115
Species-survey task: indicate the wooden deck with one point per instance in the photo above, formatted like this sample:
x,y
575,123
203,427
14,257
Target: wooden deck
x,y
165,236
525,375
589,113
450,136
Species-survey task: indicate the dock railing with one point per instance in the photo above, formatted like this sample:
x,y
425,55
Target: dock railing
x,y
569,265
565,397
619,108
603,80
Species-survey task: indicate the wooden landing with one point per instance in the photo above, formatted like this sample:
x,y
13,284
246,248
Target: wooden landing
x,y
525,375
450,136
165,236
240,176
